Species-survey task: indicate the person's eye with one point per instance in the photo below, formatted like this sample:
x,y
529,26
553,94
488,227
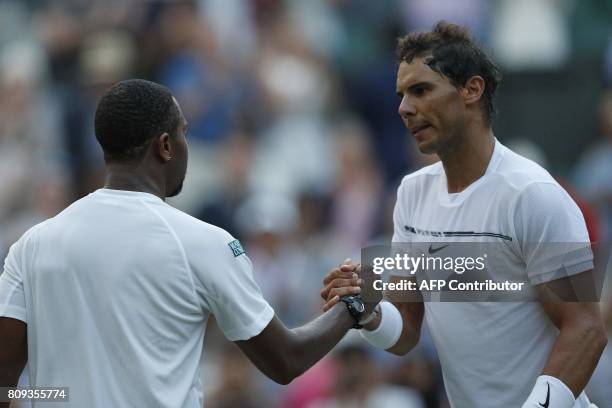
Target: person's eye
x,y
419,91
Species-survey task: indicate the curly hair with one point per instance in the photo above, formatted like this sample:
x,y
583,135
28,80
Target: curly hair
x,y
130,114
454,54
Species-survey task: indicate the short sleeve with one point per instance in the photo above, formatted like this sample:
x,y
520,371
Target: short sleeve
x,y
12,296
401,242
551,233
399,221
232,294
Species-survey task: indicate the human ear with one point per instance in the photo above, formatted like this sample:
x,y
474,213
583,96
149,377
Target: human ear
x,y
472,90
164,147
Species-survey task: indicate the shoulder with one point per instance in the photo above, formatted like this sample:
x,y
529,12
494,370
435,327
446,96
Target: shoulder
x,y
420,179
521,174
532,187
28,237
196,234
541,209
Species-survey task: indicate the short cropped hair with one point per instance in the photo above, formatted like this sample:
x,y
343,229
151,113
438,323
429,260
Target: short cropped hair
x,y
130,114
455,55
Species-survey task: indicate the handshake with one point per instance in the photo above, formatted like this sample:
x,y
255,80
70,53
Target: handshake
x,y
346,282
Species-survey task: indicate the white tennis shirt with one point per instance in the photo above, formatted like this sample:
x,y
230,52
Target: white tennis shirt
x,y
116,292
492,352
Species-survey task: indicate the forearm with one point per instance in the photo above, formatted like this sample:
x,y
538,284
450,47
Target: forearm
x,y
575,354
283,354
316,338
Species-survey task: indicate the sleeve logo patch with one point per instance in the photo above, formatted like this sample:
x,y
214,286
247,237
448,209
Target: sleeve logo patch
x,y
236,247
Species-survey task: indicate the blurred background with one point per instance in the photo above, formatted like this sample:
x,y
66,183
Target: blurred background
x,y
296,146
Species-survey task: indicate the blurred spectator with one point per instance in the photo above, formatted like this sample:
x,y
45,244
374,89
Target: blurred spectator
x,y
420,374
357,195
30,147
421,15
590,27
195,71
294,152
531,34
358,384
315,384
105,58
237,388
365,60
288,274
593,173
220,205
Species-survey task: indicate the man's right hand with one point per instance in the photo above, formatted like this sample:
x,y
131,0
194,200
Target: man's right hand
x,y
341,281
348,279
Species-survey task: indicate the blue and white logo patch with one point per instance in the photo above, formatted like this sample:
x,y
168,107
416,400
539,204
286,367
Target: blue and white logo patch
x,y
236,247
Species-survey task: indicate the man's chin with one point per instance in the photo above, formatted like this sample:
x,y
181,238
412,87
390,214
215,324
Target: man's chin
x,y
427,147
176,191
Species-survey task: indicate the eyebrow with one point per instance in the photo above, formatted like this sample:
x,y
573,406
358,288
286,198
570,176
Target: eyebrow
x,y
412,87
420,84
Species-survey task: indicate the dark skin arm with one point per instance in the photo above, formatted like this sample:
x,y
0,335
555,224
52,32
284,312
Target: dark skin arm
x,y
581,340
283,354
341,281
280,353
13,352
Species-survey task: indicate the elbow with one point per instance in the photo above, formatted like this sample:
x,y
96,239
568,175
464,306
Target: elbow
x,y
403,347
286,375
284,379
287,370
400,350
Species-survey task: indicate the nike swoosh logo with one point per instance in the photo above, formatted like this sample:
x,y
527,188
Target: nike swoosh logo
x,y
433,250
545,404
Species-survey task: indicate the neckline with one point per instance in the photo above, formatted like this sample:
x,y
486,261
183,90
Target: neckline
x,y
455,199
127,194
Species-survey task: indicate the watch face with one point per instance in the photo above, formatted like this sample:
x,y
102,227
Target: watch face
x,y
359,306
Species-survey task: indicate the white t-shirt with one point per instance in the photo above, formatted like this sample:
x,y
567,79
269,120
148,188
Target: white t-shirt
x,y
492,352
116,292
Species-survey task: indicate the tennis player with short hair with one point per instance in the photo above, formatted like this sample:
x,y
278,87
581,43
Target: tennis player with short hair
x,y
493,355
111,297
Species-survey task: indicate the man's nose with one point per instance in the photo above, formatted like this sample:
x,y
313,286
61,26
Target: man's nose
x,y
406,108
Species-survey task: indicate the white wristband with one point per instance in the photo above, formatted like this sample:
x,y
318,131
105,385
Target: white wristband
x,y
388,331
549,391
371,316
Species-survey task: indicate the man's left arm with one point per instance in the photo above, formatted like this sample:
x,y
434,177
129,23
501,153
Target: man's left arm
x,y
576,350
13,320
554,243
13,352
581,340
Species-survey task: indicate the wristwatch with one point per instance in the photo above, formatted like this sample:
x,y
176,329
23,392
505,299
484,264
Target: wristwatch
x,y
356,307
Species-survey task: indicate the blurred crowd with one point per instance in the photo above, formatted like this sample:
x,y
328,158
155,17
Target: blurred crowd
x,y
296,147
